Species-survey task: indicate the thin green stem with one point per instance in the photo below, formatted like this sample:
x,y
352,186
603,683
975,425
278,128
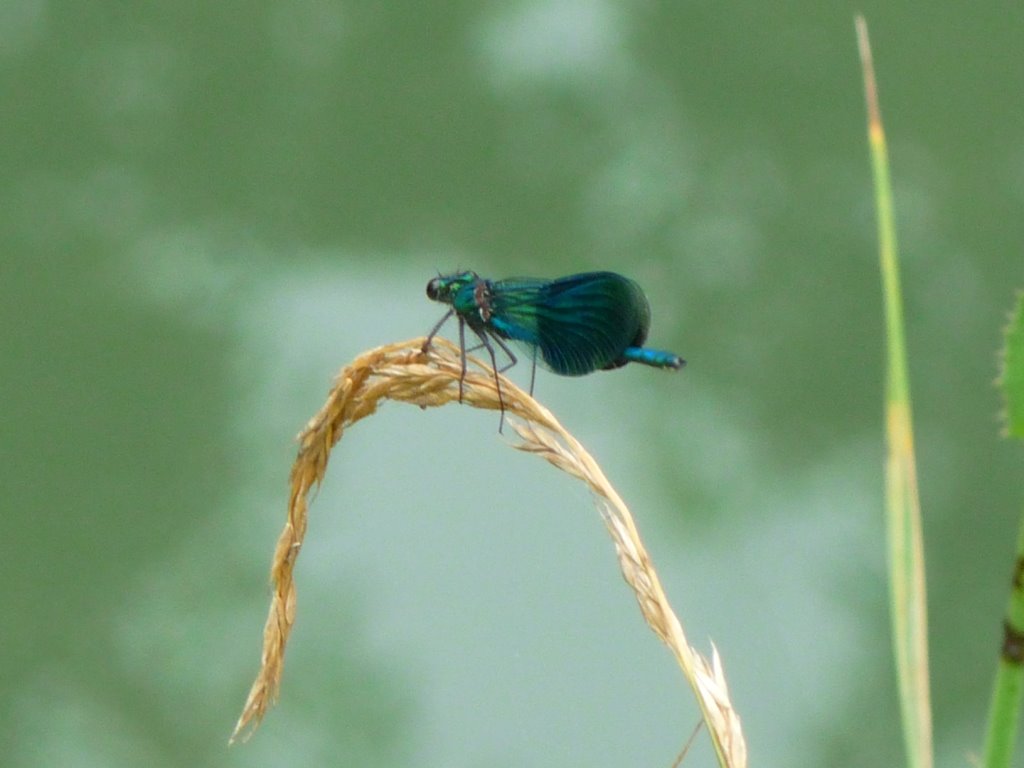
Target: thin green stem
x,y
1004,709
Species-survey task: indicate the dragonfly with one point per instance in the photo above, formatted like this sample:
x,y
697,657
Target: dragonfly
x,y
572,325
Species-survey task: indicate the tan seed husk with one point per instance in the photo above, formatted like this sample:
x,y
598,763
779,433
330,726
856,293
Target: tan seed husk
x,y
405,373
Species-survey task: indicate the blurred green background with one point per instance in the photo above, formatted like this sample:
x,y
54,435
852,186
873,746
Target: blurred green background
x,y
208,209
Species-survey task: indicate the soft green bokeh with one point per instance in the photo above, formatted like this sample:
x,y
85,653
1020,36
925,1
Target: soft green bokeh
x,y
208,209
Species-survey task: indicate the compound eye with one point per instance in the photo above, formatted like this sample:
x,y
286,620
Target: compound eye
x,y
433,289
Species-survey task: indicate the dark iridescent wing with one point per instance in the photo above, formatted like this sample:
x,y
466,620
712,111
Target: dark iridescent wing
x,y
578,324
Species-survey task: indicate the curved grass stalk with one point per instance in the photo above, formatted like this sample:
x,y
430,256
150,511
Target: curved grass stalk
x,y
403,372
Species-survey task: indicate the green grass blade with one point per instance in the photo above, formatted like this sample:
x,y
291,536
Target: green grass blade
x,y
908,606
1004,709
1011,379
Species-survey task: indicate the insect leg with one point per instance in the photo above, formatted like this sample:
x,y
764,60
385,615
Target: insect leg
x,y
462,346
504,348
436,328
494,365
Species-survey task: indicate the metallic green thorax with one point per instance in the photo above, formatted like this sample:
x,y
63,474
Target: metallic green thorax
x,y
466,292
